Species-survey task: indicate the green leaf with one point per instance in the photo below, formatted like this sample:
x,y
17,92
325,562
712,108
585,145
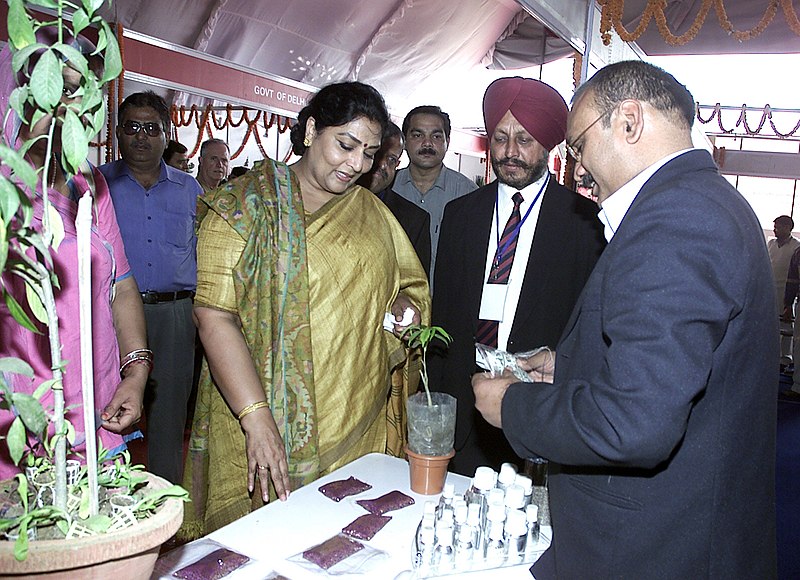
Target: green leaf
x,y
47,83
15,439
80,20
9,203
73,143
18,313
83,509
112,59
99,523
17,100
35,303
21,168
76,60
10,364
20,58
43,388
31,412
21,545
20,27
102,38
92,6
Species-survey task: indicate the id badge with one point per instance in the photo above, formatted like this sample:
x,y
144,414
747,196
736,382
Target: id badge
x,y
493,302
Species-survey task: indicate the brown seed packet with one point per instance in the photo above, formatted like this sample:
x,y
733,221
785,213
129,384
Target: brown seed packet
x,y
338,490
217,564
332,551
394,500
366,526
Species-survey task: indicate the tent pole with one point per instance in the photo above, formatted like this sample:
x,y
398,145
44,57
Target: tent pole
x,y
587,39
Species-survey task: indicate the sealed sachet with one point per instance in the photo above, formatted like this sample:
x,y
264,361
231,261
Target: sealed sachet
x,y
332,551
394,500
342,488
213,566
365,527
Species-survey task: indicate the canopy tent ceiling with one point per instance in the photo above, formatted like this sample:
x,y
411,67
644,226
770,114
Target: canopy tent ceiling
x,y
397,44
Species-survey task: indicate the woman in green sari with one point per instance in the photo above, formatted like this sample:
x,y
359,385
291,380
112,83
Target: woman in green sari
x,y
296,270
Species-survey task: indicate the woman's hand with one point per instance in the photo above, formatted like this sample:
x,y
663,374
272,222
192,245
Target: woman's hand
x,y
125,407
266,455
398,309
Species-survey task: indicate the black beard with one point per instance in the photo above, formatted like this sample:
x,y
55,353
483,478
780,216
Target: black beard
x,y
532,172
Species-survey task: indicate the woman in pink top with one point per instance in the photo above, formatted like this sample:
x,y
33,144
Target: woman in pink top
x,y
117,315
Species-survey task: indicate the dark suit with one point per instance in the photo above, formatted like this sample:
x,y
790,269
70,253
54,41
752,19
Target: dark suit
x,y
660,424
567,241
415,221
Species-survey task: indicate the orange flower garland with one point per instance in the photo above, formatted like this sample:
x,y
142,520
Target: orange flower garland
x,y
612,12
183,117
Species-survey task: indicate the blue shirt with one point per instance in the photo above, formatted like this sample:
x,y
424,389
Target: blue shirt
x,y
157,226
449,185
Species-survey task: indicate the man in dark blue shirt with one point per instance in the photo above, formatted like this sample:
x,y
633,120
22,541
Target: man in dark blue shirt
x,y
156,207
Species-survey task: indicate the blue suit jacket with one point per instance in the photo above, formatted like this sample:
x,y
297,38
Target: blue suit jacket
x,y
660,425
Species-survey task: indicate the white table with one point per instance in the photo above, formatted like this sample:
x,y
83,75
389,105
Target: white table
x,y
280,530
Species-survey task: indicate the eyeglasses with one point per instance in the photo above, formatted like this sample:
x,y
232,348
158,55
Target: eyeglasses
x,y
133,128
575,150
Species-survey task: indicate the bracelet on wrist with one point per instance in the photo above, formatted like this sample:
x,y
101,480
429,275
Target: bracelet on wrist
x,y
250,408
138,356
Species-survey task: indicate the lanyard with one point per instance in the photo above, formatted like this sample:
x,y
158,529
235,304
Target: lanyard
x,y
501,251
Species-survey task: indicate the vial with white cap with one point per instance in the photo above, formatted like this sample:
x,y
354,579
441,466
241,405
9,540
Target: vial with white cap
x,y
515,536
508,472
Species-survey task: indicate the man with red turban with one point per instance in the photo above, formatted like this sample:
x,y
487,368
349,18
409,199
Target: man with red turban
x,y
513,256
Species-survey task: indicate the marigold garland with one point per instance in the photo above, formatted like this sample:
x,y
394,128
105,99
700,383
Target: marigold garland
x,y
612,12
766,117
207,118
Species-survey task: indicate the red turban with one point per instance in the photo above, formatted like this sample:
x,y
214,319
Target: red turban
x,y
537,106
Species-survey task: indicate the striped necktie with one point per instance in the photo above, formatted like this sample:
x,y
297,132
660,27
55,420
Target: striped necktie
x,y
501,268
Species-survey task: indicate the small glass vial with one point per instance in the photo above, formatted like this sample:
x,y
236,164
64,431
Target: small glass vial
x,y
464,549
425,549
460,519
474,525
494,551
444,553
532,541
515,536
446,501
527,484
508,472
515,499
496,497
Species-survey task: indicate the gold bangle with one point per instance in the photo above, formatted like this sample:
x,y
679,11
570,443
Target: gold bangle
x,y
250,408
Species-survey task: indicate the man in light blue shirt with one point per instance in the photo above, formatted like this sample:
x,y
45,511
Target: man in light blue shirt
x,y
156,207
426,182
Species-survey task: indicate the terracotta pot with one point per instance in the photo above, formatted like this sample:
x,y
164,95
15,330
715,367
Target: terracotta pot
x,y
428,472
129,554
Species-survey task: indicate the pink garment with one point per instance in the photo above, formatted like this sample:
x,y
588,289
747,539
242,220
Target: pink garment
x,y
109,263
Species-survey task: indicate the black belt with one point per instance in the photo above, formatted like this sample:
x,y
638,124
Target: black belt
x,y
159,297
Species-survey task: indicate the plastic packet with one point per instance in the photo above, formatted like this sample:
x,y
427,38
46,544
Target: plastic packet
x,y
341,555
394,500
332,551
342,488
183,556
497,361
365,527
213,566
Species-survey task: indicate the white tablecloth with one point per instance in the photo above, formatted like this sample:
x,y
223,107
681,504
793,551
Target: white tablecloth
x,y
281,530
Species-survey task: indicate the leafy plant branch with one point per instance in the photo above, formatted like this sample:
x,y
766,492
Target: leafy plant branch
x,y
420,336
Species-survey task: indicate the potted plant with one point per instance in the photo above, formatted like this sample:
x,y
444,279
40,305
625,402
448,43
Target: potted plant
x,y
431,420
56,497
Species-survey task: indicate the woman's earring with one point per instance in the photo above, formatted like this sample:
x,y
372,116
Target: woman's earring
x,y
307,142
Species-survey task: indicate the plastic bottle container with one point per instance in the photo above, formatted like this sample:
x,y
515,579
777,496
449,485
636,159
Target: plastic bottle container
x,y
508,473
532,521
444,553
494,551
515,536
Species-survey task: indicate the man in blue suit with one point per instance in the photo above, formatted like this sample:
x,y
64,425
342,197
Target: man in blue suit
x,y
658,413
